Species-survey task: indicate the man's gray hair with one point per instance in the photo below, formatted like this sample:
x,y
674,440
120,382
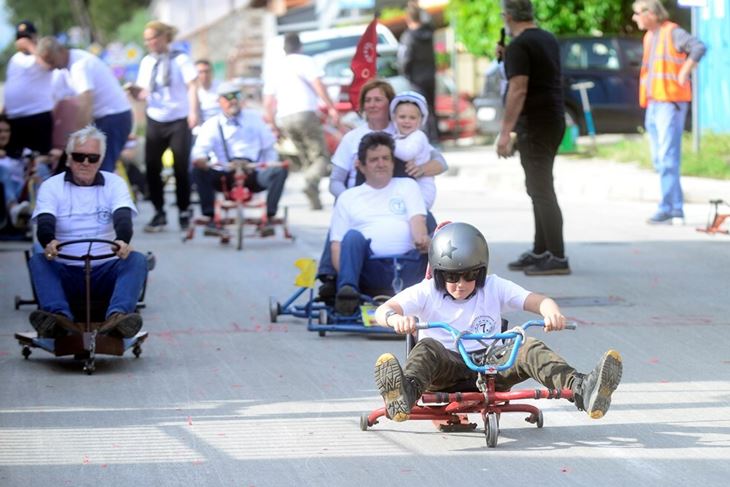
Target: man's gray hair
x,y
519,10
653,6
48,45
86,133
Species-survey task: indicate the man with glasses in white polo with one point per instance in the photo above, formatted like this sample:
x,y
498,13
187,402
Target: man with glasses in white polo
x,y
85,202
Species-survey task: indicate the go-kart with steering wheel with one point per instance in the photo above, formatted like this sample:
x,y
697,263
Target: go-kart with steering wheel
x,y
89,342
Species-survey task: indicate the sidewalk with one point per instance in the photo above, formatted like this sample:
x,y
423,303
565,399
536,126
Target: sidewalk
x,y
576,178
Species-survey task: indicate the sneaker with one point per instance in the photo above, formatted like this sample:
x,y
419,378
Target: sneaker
x,y
184,219
157,224
327,290
526,260
20,214
312,195
125,325
592,393
212,229
347,300
399,392
48,325
550,266
267,230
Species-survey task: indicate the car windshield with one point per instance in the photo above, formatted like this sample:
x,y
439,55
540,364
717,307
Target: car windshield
x,y
340,68
590,54
326,45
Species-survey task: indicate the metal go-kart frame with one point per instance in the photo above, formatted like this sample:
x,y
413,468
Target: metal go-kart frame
x,y
449,409
237,199
86,345
322,317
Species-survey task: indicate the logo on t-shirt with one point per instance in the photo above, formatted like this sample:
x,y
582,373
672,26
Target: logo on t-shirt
x,y
397,206
484,324
103,215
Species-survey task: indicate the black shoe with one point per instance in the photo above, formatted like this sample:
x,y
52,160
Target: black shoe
x,y
212,229
551,266
327,290
267,230
347,300
157,224
125,325
184,219
50,325
526,260
399,392
592,393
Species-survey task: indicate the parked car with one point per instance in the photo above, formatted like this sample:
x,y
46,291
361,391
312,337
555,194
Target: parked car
x,y
611,63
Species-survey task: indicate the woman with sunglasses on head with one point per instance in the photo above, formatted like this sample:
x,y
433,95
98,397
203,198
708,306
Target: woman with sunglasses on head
x,y
462,294
85,202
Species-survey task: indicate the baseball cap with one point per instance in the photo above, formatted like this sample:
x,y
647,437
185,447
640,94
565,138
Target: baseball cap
x,y
410,97
25,29
227,87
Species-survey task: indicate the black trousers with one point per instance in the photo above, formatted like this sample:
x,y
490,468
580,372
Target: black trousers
x,y
538,147
34,132
177,136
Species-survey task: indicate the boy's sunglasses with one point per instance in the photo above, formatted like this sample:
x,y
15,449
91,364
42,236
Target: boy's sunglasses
x,y
83,156
454,277
231,96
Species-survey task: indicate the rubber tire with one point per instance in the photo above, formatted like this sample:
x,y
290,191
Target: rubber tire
x,y
491,430
364,422
273,309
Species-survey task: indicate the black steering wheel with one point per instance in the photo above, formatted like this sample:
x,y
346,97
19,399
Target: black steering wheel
x,y
88,256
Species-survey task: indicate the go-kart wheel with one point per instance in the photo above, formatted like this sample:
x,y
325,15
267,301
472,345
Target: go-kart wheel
x,y
322,333
322,319
137,351
26,352
491,430
274,309
89,366
539,421
364,422
18,299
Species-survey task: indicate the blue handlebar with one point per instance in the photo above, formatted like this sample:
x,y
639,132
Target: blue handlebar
x,y
517,336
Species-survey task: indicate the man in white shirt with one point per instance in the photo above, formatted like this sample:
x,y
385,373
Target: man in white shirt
x,y
383,217
293,90
207,91
236,134
99,96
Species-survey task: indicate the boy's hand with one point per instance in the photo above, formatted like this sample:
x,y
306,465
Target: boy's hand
x,y
402,325
550,311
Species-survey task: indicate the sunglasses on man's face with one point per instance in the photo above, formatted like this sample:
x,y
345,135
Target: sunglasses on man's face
x,y
231,96
468,276
83,156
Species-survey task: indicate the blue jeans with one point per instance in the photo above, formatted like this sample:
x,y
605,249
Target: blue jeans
x,y
120,281
359,270
117,128
664,122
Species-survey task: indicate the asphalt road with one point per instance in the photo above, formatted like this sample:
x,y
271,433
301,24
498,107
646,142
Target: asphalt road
x,y
222,397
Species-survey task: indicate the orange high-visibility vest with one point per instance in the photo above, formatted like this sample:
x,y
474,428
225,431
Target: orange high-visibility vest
x,y
660,69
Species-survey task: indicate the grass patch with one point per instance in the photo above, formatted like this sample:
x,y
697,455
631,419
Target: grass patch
x,y
712,161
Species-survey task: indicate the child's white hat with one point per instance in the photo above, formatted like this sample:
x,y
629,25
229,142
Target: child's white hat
x,y
410,97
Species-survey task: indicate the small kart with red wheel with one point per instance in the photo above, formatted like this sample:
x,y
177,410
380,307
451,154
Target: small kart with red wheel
x,y
449,409
89,342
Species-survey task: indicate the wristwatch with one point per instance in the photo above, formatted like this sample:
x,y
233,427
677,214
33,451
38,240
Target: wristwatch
x,y
388,314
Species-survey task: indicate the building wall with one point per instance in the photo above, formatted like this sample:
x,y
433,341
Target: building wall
x,y
714,70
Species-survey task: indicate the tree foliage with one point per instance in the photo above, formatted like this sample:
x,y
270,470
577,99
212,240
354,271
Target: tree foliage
x,y
478,21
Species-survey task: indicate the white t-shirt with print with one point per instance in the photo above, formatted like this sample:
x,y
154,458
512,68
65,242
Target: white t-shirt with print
x,y
89,73
83,212
481,313
290,81
167,103
346,153
415,147
382,215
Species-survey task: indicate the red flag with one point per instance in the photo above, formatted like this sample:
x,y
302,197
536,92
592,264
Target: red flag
x,y
364,66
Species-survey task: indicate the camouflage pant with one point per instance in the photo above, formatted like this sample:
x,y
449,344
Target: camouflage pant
x,y
305,131
434,368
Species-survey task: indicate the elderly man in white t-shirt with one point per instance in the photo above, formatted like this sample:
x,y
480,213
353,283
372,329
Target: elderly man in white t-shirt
x,y
293,90
81,203
383,217
99,96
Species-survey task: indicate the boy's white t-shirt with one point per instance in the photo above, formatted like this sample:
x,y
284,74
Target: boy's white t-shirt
x,y
481,313
382,215
167,103
83,212
416,147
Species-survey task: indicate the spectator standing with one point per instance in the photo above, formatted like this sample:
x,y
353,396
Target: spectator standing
x,y
207,91
534,110
291,93
417,61
670,54
167,81
99,97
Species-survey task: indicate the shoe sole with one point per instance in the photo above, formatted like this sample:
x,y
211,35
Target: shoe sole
x,y
389,379
129,326
347,303
158,229
609,378
552,272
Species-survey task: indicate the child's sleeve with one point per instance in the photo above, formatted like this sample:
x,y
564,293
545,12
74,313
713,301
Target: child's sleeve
x,y
412,299
409,148
512,296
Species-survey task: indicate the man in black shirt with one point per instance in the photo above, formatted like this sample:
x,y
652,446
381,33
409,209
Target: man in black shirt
x,y
534,110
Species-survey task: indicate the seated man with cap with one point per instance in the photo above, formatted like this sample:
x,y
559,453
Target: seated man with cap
x,y
236,134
